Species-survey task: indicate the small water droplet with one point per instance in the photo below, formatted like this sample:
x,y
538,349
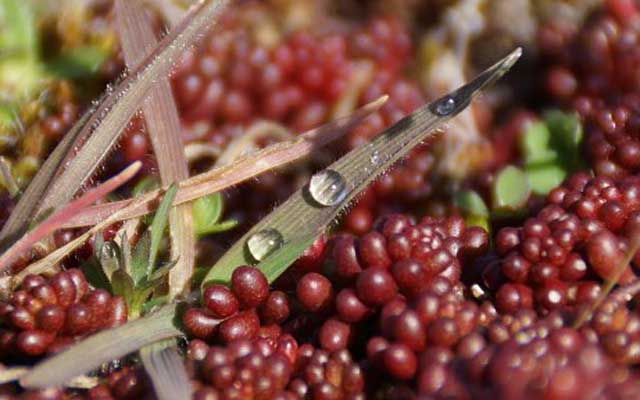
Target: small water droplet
x,y
328,187
445,106
263,243
109,250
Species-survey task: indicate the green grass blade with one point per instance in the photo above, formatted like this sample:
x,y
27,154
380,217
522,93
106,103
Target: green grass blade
x,y
158,226
301,219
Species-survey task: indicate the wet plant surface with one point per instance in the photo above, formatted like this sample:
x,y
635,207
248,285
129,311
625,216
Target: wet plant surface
x,y
319,199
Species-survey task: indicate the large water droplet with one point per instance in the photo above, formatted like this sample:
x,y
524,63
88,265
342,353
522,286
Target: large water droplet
x,y
328,187
445,106
263,243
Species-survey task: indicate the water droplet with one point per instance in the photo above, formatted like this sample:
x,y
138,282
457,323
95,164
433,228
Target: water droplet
x,y
109,250
445,106
328,187
263,243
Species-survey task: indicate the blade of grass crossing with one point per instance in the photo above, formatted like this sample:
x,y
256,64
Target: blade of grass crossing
x,y
163,122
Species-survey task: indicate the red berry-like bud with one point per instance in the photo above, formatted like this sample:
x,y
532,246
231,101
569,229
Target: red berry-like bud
x,y
243,325
250,286
220,301
314,291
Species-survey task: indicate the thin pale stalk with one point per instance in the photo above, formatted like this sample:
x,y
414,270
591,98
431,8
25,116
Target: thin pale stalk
x,y
54,222
166,370
101,348
220,178
163,123
100,128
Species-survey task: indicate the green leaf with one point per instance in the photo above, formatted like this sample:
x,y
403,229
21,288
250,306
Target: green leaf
x,y
152,304
207,212
544,178
471,203
511,189
566,137
482,222
534,144
146,184
221,227
140,257
95,275
301,219
159,225
79,62
123,285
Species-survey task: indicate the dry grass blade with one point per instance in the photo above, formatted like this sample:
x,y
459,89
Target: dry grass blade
x,y
55,221
102,347
163,122
167,372
284,234
243,168
99,129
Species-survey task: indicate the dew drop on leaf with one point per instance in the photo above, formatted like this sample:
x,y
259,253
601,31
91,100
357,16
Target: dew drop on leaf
x,y
445,106
328,187
263,243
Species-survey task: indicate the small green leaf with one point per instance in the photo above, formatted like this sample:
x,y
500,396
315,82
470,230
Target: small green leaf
x,y
566,137
152,304
471,203
534,144
79,62
161,272
123,285
95,275
140,257
207,212
511,189
146,184
482,222
220,227
159,225
544,178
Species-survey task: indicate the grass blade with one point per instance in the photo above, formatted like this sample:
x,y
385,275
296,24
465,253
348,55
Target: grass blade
x,y
301,219
163,123
167,372
102,347
158,226
220,178
99,129
55,221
